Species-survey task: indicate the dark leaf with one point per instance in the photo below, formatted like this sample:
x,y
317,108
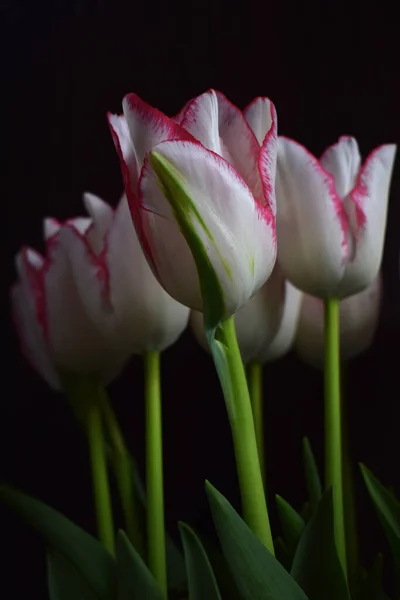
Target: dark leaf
x,y
313,480
258,575
292,524
201,578
135,582
316,566
64,581
78,548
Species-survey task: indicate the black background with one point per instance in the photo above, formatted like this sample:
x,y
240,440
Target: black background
x,y
331,69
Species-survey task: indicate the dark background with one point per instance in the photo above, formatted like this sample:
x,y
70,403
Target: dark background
x,y
331,69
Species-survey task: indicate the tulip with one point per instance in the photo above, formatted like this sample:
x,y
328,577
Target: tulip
x,y
201,194
55,333
117,287
332,216
358,322
65,348
331,225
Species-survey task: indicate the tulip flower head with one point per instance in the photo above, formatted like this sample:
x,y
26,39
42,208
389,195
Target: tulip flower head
x,y
359,316
331,216
266,325
118,289
55,332
201,193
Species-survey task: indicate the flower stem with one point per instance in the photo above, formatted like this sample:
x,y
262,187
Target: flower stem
x,y
333,424
154,472
101,489
244,438
255,382
122,468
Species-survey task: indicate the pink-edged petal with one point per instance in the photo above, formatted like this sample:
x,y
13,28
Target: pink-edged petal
x,y
359,316
268,160
75,344
221,127
312,226
101,215
129,162
33,344
51,227
148,126
30,265
284,339
259,115
343,161
235,233
181,114
367,206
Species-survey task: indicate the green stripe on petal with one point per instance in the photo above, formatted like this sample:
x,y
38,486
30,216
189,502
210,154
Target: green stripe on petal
x,y
189,219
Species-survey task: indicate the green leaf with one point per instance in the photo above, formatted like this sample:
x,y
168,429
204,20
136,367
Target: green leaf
x,y
225,581
64,581
84,553
388,509
316,566
202,581
257,573
313,480
135,582
292,524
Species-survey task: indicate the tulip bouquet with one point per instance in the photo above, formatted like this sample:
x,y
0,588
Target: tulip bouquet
x,y
262,247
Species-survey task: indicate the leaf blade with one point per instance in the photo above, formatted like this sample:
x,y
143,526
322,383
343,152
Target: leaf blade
x,y
202,582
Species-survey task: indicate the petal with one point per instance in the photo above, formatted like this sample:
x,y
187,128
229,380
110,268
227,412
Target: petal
x,y
31,336
148,126
311,222
256,323
343,161
267,160
50,227
75,343
367,205
259,115
358,322
198,211
101,215
221,127
126,152
284,339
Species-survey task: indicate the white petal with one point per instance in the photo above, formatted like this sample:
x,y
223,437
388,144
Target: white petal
x,y
284,339
126,151
148,126
75,343
343,161
221,127
233,230
256,323
358,322
311,222
101,215
145,316
258,116
27,307
369,199
50,227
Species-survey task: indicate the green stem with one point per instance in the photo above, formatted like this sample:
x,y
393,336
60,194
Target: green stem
x,y
244,438
101,489
333,424
154,471
122,468
255,382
